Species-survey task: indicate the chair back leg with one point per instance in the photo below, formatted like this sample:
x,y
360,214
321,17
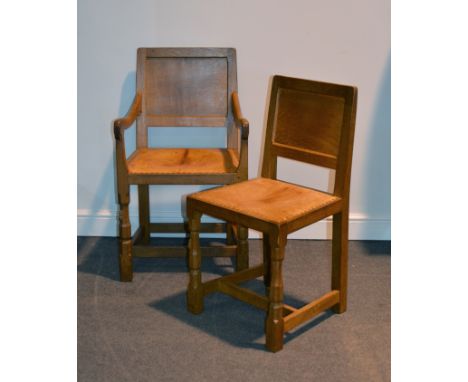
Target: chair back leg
x,y
242,257
266,263
340,259
144,212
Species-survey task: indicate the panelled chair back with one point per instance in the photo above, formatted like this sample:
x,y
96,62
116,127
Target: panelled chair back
x,y
311,122
180,87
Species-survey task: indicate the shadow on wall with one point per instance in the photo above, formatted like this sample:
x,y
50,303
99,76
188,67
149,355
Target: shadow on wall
x,y
232,321
376,187
264,127
126,98
106,190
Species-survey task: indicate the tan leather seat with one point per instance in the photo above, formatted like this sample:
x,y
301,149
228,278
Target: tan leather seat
x,y
183,161
270,200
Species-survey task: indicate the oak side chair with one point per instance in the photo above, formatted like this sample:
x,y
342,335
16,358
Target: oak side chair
x,y
311,122
180,87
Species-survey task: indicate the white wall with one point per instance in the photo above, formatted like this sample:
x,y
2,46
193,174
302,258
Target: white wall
x,y
338,41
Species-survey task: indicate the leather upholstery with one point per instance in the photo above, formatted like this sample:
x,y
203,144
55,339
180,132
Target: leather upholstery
x,y
148,161
270,200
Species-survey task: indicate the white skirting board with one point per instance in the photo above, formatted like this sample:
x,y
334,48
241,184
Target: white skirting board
x,y
361,227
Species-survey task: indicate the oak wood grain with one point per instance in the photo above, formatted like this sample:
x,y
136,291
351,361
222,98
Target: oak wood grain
x,y
179,87
308,121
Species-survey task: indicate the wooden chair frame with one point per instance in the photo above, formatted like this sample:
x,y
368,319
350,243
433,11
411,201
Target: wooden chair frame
x,y
147,115
334,152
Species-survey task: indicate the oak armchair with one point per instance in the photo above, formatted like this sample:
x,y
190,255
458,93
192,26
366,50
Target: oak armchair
x,y
180,87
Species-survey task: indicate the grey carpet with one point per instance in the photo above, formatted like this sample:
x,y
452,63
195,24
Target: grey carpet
x,y
141,331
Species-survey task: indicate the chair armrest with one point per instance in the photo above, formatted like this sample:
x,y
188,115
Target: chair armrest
x,y
125,122
243,123
121,162
239,119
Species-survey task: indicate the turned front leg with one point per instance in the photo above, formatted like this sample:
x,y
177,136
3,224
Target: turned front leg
x,y
195,287
274,322
123,192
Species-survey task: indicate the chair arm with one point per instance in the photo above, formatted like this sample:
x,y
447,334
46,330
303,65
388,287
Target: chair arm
x,y
239,119
125,122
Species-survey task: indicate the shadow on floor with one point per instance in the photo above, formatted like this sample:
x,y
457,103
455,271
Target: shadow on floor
x,y
100,256
224,318
232,321
371,247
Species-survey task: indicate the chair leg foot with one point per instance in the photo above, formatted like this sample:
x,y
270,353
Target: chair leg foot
x,y
339,308
274,332
126,267
195,300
